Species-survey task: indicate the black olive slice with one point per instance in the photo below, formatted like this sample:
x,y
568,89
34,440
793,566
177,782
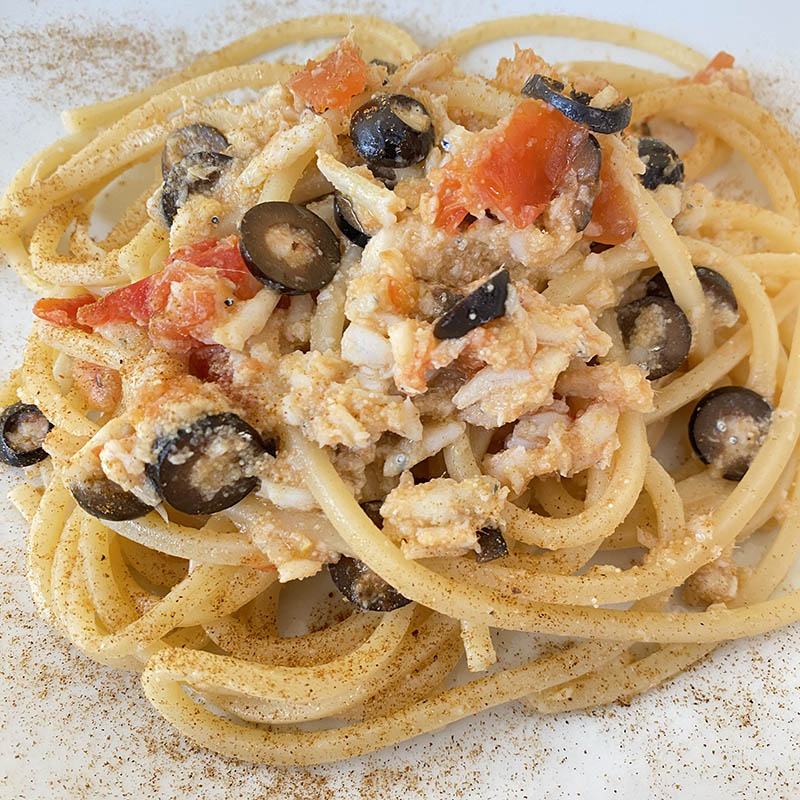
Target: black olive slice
x,y
728,427
715,286
195,138
208,465
581,97
102,498
492,543
372,508
386,175
576,106
587,163
387,65
363,587
662,164
656,333
347,222
392,130
195,173
22,431
486,303
288,248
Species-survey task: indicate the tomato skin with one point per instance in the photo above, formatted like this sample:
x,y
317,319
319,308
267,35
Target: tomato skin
x,y
613,218
332,82
62,311
512,170
128,304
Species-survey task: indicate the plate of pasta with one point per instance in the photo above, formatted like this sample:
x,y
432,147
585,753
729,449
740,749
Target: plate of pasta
x,y
396,408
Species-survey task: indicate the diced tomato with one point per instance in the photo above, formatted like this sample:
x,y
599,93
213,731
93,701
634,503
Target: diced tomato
x,y
721,60
62,311
511,170
613,218
332,82
185,303
209,363
102,387
224,256
179,306
128,304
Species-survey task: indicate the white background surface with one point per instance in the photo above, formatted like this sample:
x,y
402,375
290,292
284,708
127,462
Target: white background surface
x,y
729,728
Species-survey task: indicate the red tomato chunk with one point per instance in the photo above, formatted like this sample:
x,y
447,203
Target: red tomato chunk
x,y
62,311
721,60
180,306
332,82
613,218
511,170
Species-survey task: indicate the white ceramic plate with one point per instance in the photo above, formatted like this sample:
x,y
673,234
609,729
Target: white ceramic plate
x,y
728,728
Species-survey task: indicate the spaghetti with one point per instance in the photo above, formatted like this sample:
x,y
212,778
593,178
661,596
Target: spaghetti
x,y
433,335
